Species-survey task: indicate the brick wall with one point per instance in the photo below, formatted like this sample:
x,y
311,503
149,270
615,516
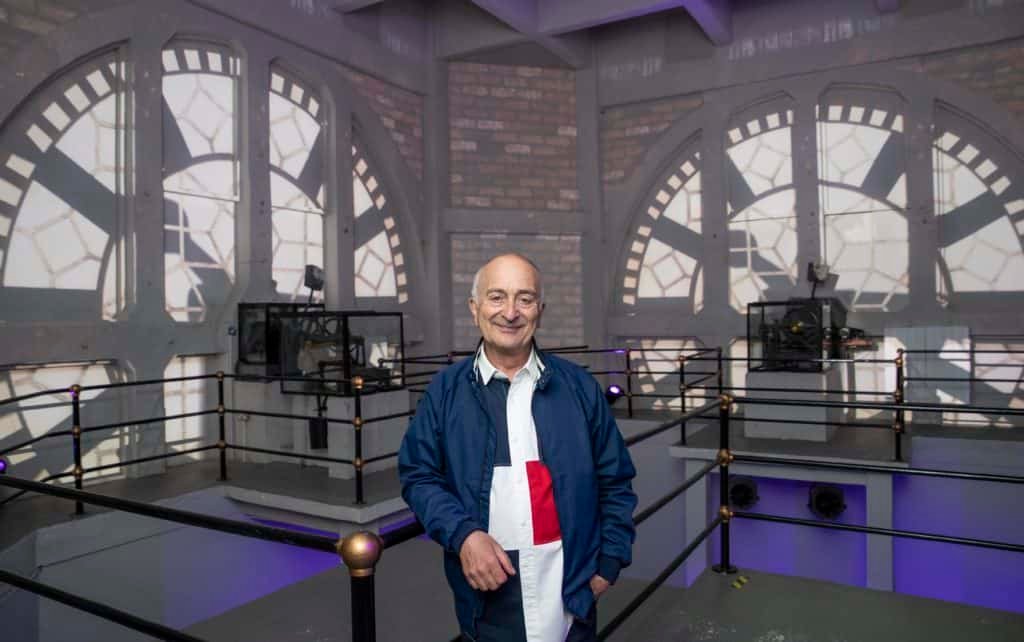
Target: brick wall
x,y
627,132
512,137
400,111
560,261
996,71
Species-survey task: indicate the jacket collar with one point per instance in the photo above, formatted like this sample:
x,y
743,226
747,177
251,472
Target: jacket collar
x,y
538,359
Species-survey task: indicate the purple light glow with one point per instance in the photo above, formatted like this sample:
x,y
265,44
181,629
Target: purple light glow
x,y
3,466
614,390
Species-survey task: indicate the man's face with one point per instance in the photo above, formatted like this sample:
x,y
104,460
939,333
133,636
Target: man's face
x,y
507,306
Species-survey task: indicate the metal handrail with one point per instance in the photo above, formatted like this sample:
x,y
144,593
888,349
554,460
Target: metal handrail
x,y
154,629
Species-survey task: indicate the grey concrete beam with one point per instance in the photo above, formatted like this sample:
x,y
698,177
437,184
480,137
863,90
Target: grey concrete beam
x,y
348,6
522,16
714,17
563,16
462,29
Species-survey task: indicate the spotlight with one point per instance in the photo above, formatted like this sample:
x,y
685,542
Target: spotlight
x,y
3,466
612,394
742,492
314,278
826,501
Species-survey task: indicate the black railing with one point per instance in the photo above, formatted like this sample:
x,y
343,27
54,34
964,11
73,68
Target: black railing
x,y
362,551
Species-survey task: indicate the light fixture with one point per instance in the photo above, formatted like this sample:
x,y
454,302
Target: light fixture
x,y
3,465
314,278
826,501
742,492
612,393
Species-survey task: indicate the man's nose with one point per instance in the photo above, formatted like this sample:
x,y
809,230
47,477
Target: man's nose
x,y
509,310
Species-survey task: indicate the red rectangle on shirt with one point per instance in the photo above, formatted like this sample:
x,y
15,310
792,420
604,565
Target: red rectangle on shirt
x,y
542,504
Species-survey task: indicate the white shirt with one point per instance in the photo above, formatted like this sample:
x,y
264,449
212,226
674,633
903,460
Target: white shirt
x,y
511,511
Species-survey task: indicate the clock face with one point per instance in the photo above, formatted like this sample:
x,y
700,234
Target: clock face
x,y
62,185
761,205
666,253
297,157
979,205
863,197
201,177
379,261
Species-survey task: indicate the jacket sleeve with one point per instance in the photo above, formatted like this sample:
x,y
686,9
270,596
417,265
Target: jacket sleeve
x,y
616,498
421,469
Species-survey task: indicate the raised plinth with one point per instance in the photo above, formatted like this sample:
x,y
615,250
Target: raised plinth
x,y
791,422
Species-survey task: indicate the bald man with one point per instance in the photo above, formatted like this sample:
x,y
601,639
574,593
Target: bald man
x,y
515,465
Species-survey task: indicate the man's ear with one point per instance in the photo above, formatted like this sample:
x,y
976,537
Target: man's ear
x,y
473,306
540,313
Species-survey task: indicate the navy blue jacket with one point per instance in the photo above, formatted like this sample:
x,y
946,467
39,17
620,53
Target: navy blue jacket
x,y
446,464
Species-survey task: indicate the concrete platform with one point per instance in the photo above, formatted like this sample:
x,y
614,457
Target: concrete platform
x,y
414,605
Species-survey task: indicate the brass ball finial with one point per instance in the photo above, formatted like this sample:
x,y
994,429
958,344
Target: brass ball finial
x,y
725,457
220,375
724,400
360,552
357,382
76,390
725,513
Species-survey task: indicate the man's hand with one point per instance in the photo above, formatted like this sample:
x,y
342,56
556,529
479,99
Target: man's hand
x,y
598,585
484,562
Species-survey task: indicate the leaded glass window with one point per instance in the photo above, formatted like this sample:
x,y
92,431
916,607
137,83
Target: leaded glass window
x,y
666,251
41,415
185,397
62,184
979,204
655,363
379,260
201,176
863,197
761,204
297,156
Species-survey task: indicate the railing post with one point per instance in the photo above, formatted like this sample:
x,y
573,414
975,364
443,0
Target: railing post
x,y
682,397
222,444
898,424
76,442
360,552
357,423
629,382
721,373
725,457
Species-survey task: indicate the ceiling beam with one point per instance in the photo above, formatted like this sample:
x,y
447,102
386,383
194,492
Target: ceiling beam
x,y
714,17
562,16
523,16
348,6
887,6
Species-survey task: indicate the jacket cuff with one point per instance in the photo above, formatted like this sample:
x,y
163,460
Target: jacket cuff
x,y
461,533
608,568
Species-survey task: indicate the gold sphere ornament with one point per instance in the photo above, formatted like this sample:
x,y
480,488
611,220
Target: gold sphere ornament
x,y
360,551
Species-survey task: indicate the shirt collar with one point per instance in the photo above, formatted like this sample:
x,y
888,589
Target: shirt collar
x,y
487,370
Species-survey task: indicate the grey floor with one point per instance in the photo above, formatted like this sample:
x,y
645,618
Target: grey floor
x,y
413,605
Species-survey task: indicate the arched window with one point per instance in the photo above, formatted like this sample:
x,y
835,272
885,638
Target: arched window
x,y
201,176
761,204
297,157
379,262
62,179
979,203
863,196
667,246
